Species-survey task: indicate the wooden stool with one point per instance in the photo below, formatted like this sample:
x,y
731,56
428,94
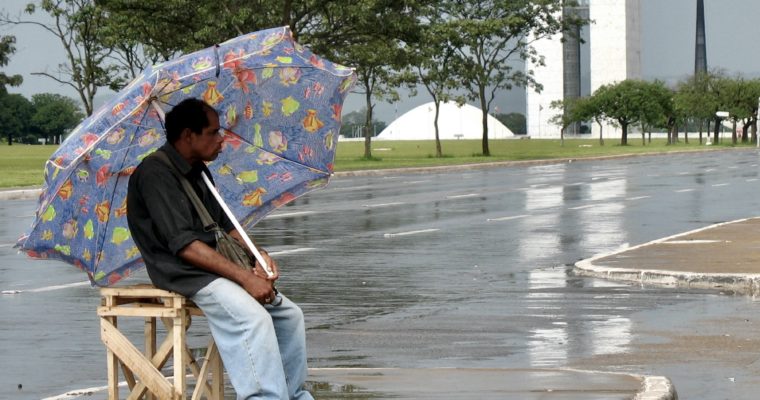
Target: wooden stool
x,y
142,370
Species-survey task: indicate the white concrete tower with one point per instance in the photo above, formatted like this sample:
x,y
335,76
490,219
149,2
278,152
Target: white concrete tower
x,y
614,46
615,55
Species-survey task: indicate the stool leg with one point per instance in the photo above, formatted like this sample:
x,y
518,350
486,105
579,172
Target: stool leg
x,y
113,368
217,373
150,344
179,351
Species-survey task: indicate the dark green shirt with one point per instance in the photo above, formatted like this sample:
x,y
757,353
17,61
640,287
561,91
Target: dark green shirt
x,y
163,221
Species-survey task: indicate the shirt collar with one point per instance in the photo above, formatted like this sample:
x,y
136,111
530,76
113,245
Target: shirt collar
x,y
180,163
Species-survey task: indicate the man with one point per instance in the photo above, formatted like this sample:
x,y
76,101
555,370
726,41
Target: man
x,y
262,345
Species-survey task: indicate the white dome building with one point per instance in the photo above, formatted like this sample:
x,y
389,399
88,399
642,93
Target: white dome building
x,y
454,122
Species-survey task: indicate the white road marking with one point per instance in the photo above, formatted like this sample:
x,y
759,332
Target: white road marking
x,y
700,241
638,198
414,182
582,207
720,184
287,215
462,196
389,235
684,190
398,203
710,170
751,180
47,288
508,218
292,251
7,244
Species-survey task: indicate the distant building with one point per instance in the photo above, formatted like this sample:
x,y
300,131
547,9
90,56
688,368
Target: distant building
x,y
454,122
614,54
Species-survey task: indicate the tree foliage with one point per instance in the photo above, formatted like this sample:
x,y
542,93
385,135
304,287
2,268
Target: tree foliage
x,y
15,115
76,24
54,115
7,48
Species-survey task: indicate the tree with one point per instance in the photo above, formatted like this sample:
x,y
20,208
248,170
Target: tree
x,y
694,100
433,56
75,23
624,102
377,51
516,122
15,115
54,115
657,109
7,48
492,35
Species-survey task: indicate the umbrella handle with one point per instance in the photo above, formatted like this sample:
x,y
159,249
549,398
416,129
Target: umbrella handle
x,y
235,222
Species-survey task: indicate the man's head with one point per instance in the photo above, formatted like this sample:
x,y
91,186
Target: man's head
x,y
189,114
192,127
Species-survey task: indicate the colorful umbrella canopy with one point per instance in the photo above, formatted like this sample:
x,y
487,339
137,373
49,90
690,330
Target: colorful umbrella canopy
x,y
279,104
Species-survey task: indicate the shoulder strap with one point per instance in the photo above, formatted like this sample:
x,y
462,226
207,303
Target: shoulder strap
x,y
208,222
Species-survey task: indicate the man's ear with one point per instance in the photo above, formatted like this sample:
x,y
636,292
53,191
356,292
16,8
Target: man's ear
x,y
185,134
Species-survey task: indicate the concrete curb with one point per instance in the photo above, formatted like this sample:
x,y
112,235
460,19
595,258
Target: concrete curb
x,y
748,284
657,388
20,194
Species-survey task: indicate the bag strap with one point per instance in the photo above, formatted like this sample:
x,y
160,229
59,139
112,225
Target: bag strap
x,y
208,223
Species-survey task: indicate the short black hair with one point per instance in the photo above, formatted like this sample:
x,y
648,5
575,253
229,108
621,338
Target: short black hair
x,y
189,113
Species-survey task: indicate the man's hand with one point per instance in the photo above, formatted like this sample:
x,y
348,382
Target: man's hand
x,y
271,263
202,256
259,288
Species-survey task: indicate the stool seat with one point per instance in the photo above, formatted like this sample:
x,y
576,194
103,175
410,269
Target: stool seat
x,y
141,370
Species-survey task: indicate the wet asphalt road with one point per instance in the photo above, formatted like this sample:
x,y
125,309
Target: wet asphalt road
x,y
460,269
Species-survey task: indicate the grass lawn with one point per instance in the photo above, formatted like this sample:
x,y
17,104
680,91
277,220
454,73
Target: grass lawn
x,y
394,154
22,165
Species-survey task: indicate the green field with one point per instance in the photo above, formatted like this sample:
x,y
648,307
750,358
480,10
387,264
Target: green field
x,y
22,165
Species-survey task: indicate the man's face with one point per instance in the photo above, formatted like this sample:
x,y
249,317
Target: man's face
x,y
208,144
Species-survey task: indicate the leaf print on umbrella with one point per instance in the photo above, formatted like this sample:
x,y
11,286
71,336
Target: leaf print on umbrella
x,y
253,199
278,142
311,123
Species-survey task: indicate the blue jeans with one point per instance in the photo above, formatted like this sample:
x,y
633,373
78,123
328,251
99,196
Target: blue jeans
x,y
263,347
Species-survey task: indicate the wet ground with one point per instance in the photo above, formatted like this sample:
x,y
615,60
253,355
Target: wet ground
x,y
467,269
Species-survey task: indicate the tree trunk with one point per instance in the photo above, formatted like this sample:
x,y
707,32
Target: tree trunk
x,y
643,137
686,133
733,132
700,130
484,108
624,136
754,130
10,139
601,138
745,128
675,132
716,137
367,125
649,138
438,152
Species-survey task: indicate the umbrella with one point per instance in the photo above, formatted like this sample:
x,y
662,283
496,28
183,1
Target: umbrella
x,y
279,105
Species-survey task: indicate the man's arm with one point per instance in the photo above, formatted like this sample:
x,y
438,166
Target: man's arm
x,y
202,256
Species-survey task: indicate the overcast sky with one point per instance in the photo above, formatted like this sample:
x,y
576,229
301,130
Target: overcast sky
x,y
668,30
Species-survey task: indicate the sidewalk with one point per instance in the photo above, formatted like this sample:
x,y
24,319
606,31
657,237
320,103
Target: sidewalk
x,y
723,257
460,383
